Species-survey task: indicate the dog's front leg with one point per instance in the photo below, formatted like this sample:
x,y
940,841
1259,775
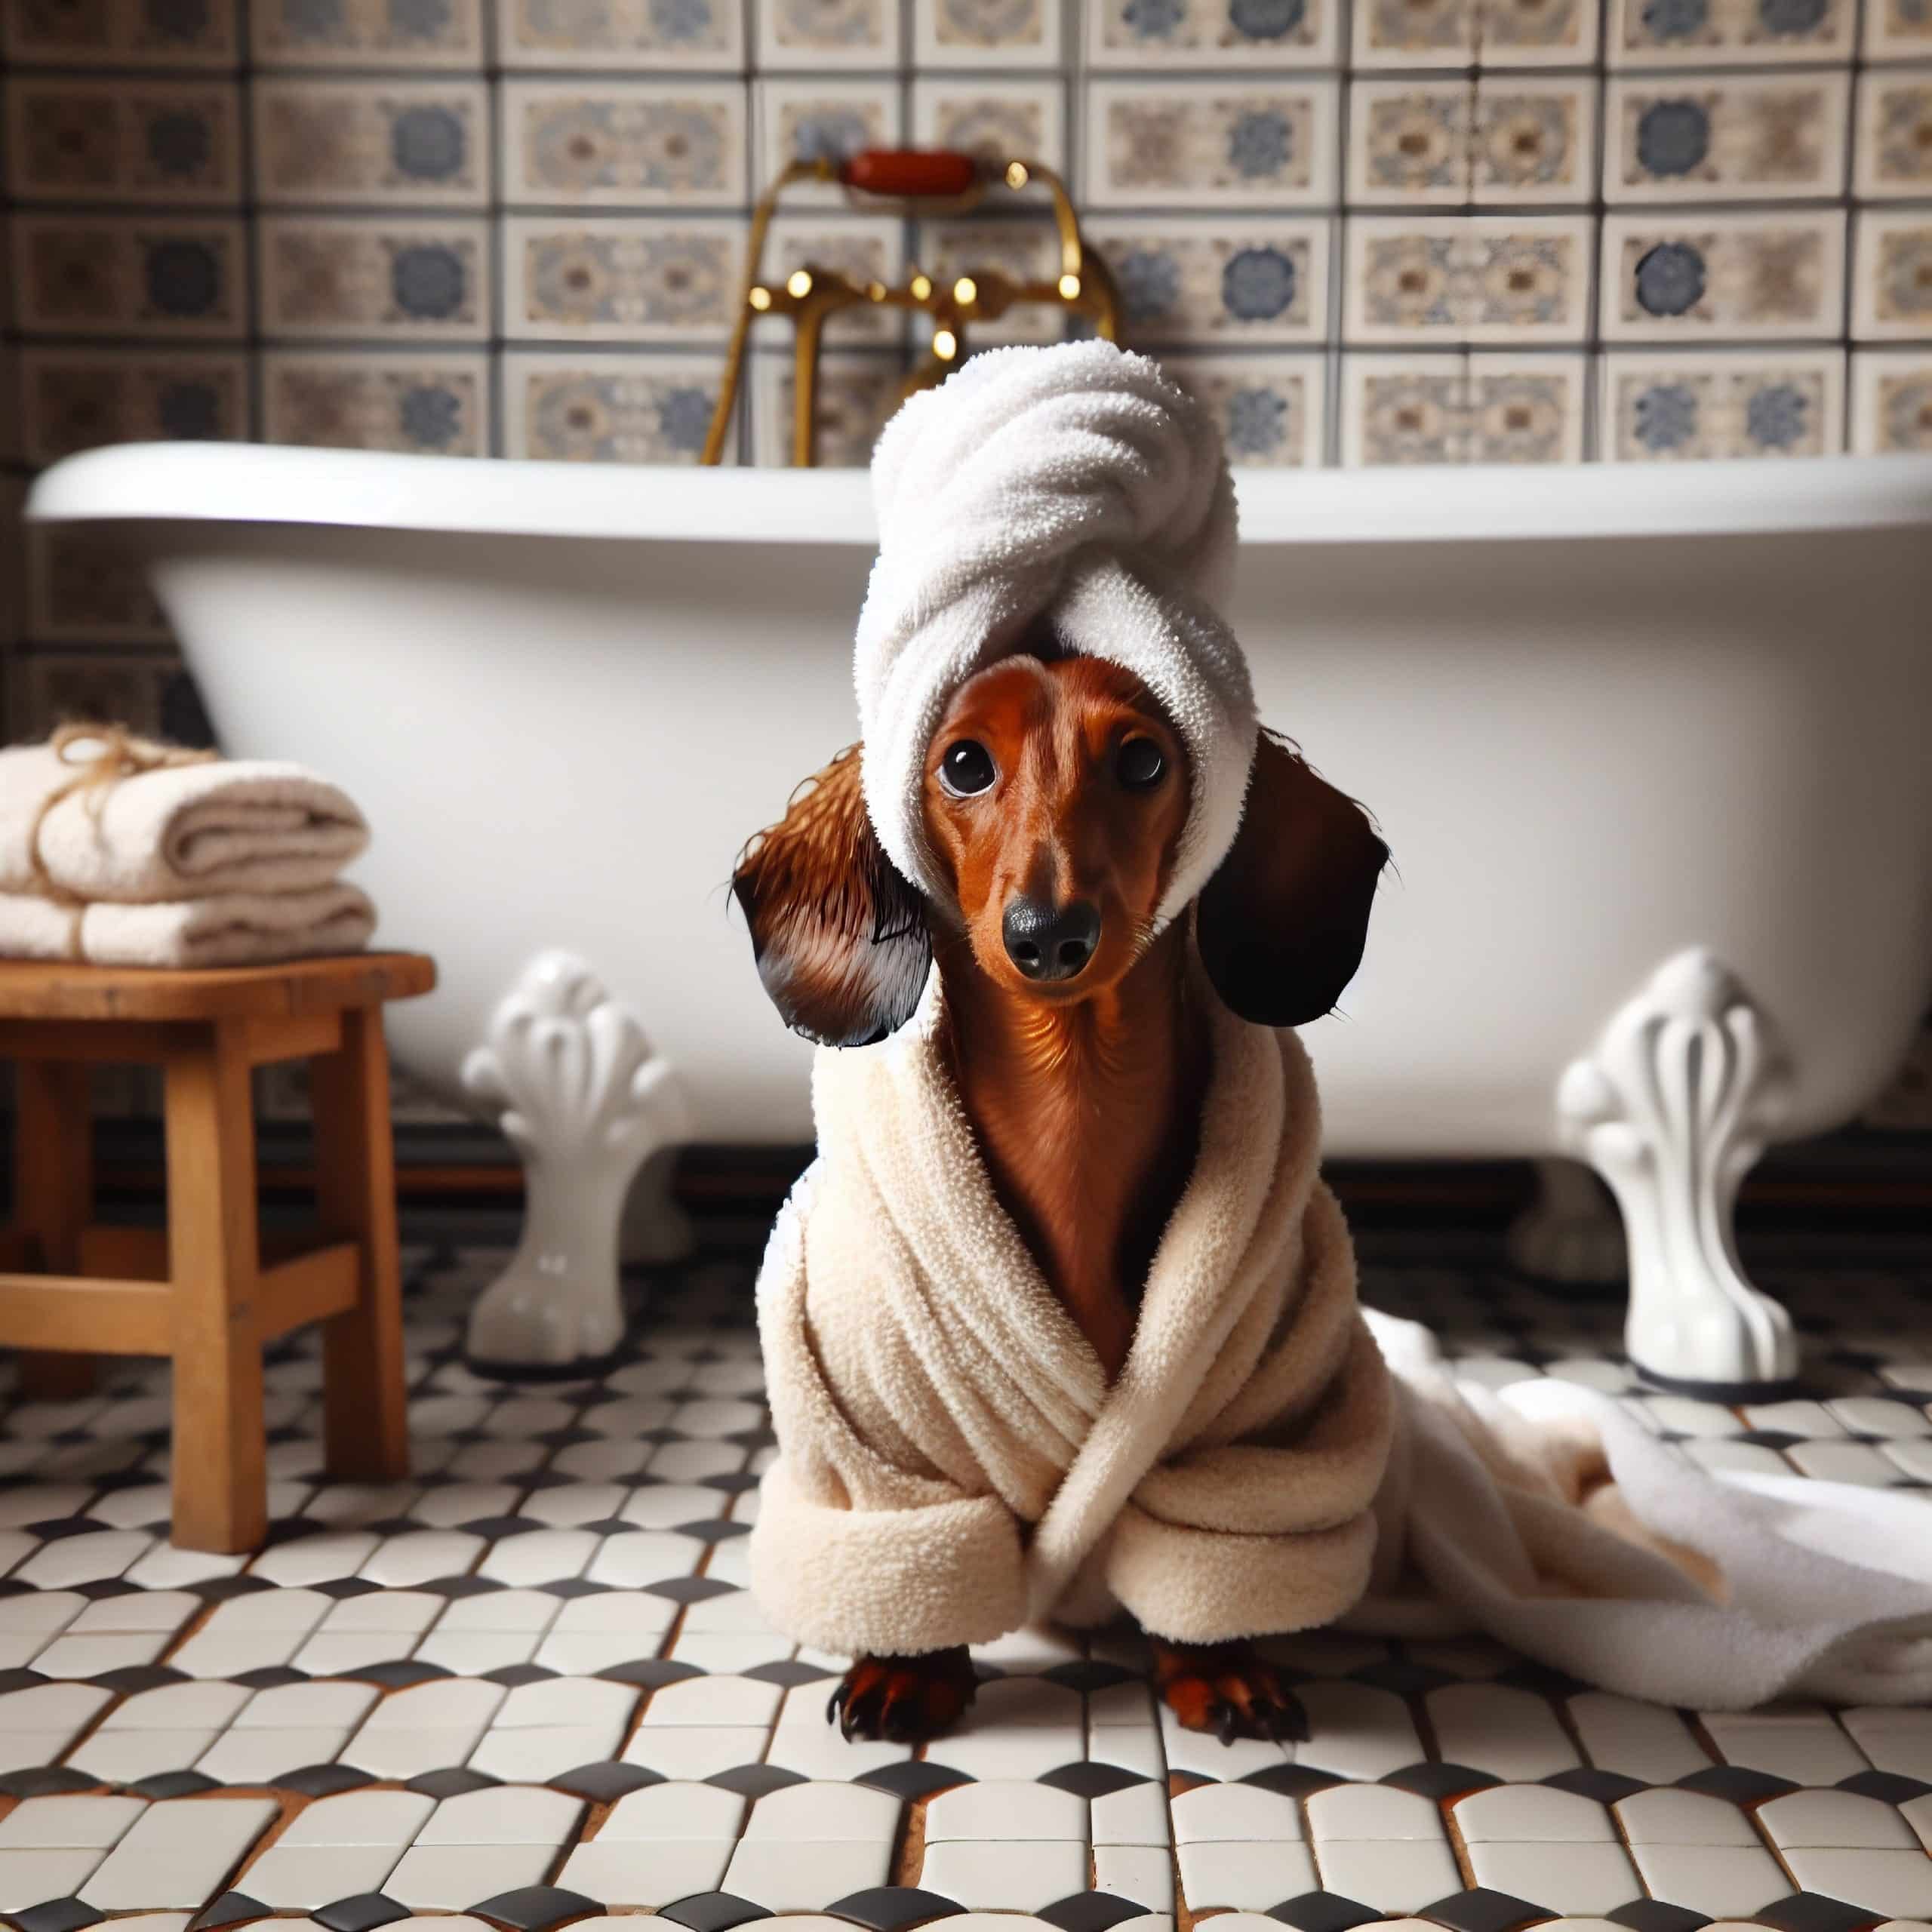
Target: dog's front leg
x,y
1229,1689
904,1700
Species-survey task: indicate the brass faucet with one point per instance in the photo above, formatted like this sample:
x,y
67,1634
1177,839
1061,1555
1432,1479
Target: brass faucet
x,y
902,181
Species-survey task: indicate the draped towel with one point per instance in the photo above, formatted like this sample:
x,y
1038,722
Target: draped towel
x,y
952,1462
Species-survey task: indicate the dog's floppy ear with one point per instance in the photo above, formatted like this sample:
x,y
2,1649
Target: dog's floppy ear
x,y
838,932
1281,924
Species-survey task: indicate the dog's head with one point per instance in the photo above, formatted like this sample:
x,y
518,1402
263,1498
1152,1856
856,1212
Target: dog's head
x,y
1055,790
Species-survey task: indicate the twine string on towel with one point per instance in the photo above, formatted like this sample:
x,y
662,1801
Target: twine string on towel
x,y
118,755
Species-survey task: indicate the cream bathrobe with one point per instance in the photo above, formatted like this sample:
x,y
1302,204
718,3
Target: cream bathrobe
x,y
952,1463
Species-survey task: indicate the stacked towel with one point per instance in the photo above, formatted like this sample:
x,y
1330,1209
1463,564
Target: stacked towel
x,y
123,853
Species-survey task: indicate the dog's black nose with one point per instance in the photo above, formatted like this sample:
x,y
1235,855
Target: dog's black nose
x,y
1050,943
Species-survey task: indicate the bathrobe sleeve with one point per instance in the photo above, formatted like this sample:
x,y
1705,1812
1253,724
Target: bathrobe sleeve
x,y
854,1552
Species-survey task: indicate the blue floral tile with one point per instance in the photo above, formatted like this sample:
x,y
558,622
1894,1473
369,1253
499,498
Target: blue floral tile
x,y
1271,408
1534,141
1525,409
860,248
1894,121
1021,249
1693,33
1401,410
1715,277
1892,285
609,407
76,398
1658,408
320,142
615,144
1416,33
143,141
322,276
428,404
354,33
999,120
829,117
650,36
1481,278
1892,415
1713,137
612,279
1211,144
828,33
985,33
121,33
1536,33
1222,283
856,395
1409,143
1240,34
110,275
1898,30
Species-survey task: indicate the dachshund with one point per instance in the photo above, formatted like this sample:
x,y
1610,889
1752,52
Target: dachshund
x,y
1054,791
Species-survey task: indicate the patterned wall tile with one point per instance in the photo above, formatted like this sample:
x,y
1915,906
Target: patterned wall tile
x,y
1688,405
1894,123
1003,120
323,276
1700,33
1525,408
1534,141
828,33
356,33
173,142
431,404
1022,250
1246,34
830,119
1415,33
1211,144
1892,276
1448,278
1712,276
1719,137
121,33
1404,409
52,688
112,275
1220,283
987,33
1897,30
650,35
84,588
858,247
76,398
319,141
608,407
1409,143
611,278
1536,33
856,394
1272,408
624,143
1891,410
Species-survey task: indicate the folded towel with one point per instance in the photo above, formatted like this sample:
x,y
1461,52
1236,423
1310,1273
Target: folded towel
x,y
223,929
139,835
952,1461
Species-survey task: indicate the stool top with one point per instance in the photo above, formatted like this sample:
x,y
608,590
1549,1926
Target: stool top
x,y
59,989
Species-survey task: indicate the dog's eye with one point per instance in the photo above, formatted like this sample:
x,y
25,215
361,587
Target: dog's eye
x,y
1141,765
967,768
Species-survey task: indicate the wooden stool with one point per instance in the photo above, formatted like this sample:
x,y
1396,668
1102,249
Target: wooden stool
x,y
200,1292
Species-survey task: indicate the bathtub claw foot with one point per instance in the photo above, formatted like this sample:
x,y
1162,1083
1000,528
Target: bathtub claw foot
x,y
1570,1236
585,1102
1672,1107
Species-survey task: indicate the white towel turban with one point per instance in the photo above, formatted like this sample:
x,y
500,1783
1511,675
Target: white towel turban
x,y
1076,482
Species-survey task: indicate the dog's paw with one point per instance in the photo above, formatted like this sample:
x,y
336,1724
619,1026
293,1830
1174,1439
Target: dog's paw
x,y
1229,1690
904,1700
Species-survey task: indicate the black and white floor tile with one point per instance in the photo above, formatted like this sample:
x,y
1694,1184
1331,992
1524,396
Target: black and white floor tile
x,y
528,1688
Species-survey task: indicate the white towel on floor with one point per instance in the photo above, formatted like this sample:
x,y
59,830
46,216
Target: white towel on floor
x,y
224,929
185,832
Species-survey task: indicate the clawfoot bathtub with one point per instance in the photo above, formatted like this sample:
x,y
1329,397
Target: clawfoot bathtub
x,y
1649,746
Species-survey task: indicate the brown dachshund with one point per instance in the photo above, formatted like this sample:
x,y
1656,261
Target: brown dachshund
x,y
1055,790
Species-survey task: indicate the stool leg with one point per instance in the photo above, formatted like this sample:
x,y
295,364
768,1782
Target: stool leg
x,y
220,1453
53,1197
364,1404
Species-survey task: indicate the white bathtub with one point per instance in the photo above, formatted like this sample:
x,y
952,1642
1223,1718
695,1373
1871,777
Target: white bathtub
x,y
1649,746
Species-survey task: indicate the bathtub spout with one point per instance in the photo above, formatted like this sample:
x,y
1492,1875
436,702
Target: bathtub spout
x,y
586,1102
1685,1087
